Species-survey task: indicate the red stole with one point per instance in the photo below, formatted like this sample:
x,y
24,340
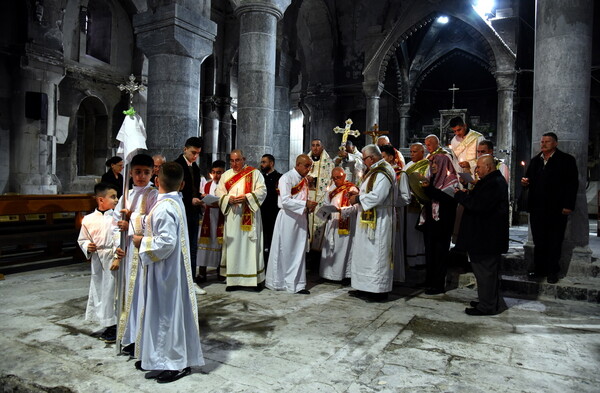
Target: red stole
x,y
297,188
343,223
205,228
246,175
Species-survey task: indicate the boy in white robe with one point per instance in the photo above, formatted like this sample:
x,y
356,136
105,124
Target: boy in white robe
x,y
210,233
140,200
98,240
336,257
286,270
170,339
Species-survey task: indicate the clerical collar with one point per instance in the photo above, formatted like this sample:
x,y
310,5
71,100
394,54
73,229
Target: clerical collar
x,y
315,158
103,211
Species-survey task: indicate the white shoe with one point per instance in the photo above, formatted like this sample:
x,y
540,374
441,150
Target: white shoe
x,y
199,291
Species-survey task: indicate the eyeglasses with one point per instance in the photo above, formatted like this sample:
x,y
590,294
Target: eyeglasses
x,y
365,158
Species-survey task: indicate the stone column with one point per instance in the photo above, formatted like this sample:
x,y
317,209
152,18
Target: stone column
x,y
561,92
372,92
505,148
225,127
281,121
33,146
256,74
404,111
176,40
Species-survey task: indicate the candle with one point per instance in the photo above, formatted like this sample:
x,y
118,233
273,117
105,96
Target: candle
x,y
522,163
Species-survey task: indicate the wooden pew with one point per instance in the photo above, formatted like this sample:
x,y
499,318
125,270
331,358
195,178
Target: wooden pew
x,y
49,219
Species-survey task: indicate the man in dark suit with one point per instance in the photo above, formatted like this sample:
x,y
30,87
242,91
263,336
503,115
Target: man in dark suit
x,y
484,234
552,180
191,192
269,208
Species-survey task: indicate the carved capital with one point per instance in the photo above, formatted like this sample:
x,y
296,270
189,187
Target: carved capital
x,y
505,80
372,89
273,7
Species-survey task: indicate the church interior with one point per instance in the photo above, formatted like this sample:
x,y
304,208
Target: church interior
x,y
269,76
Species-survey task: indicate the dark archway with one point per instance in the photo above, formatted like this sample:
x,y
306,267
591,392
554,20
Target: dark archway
x,y
91,130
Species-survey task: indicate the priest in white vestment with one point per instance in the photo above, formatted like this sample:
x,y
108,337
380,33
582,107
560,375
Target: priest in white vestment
x,y
336,257
372,258
169,336
286,270
350,160
140,200
241,191
319,179
464,146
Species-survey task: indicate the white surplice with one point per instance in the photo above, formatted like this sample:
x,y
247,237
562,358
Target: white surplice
x,y
100,229
242,250
372,269
140,200
209,254
336,257
169,334
286,270
401,199
465,149
321,172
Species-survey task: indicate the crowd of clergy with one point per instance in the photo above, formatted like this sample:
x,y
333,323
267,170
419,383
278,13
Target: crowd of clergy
x,y
361,218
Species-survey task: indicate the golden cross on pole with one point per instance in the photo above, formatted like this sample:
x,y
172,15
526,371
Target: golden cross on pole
x,y
345,132
375,133
131,87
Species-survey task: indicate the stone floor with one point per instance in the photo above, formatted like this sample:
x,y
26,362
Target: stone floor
x,y
324,342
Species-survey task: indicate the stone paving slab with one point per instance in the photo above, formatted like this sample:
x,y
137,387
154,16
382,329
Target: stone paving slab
x,y
324,342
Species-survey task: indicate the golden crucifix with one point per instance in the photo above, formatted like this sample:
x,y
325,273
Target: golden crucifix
x,y
375,133
345,132
131,87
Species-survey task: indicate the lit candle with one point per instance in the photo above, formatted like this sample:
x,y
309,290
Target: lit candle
x,y
522,163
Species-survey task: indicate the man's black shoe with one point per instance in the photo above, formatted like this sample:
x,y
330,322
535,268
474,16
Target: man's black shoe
x,y
138,366
171,376
474,303
346,282
232,288
129,350
552,279
303,292
474,312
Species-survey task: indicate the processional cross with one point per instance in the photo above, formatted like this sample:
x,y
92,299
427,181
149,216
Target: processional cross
x,y
375,133
131,87
345,132
453,89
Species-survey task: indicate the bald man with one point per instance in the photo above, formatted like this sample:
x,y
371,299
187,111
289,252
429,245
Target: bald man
x,y
484,234
286,270
336,257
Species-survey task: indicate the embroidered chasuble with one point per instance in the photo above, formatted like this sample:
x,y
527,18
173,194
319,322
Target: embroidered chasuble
x,y
336,256
372,265
242,253
210,238
321,173
169,338
286,270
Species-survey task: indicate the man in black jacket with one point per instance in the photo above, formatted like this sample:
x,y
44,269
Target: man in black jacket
x,y
552,180
191,192
484,234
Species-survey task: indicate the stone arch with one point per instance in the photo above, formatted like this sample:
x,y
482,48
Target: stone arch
x,y
440,60
500,56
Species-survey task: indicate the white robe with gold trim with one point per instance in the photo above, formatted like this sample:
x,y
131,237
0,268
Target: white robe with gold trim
x,y
242,250
170,338
372,269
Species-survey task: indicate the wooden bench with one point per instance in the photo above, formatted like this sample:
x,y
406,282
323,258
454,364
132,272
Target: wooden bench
x,y
42,219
